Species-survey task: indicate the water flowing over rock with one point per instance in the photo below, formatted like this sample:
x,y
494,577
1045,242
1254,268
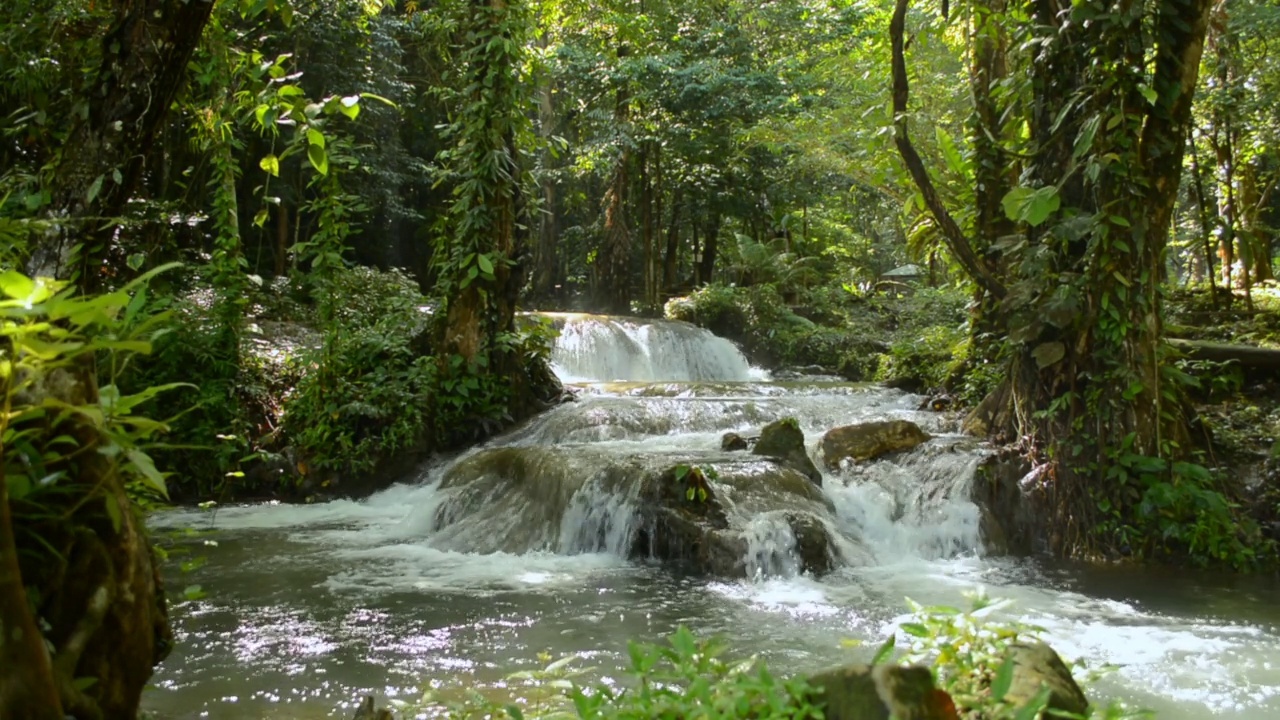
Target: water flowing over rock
x,y
595,348
869,440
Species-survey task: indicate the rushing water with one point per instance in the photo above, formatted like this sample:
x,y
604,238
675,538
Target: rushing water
x,y
463,576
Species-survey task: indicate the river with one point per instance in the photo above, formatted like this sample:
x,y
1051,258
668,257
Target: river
x,y
435,584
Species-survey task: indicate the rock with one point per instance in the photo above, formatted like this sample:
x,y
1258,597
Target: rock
x,y
690,532
783,440
696,534
813,545
733,441
367,711
1036,665
860,692
866,441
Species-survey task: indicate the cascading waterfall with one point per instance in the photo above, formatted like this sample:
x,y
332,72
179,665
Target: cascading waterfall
x,y
594,348
538,541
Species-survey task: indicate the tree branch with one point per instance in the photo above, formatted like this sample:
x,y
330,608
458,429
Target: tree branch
x,y
951,232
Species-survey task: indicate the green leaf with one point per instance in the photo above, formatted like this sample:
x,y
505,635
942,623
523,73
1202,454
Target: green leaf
x,y
16,285
271,164
1014,201
486,265
1048,354
689,494
885,652
515,712
94,189
1004,680
915,629
113,512
315,137
319,159
1043,203
1148,93
193,592
146,468
371,96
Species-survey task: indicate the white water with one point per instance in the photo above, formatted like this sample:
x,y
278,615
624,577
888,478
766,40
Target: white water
x,y
463,576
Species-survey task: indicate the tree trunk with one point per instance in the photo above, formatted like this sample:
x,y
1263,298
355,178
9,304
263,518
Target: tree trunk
x,y
614,259
707,263
27,687
1085,317
670,267
144,64
545,263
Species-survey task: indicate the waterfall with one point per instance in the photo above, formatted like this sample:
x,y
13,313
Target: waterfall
x,y
600,348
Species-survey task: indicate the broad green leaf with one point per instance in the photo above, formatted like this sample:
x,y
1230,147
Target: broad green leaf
x,y
146,467
16,285
1014,201
486,265
1050,353
271,164
315,137
1042,204
319,159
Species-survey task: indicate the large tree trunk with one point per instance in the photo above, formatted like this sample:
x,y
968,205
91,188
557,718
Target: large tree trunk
x,y
671,258
100,593
1084,318
144,65
614,260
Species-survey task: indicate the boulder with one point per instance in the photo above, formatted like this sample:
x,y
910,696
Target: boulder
x,y
733,441
693,532
368,711
784,440
696,534
861,692
866,441
1035,666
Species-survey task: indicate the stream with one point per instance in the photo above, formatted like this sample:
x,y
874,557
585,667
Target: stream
x,y
462,575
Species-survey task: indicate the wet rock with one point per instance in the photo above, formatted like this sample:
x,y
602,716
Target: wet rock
x,y
1014,503
733,441
695,532
937,403
690,531
813,544
784,440
866,441
367,711
861,692
1036,666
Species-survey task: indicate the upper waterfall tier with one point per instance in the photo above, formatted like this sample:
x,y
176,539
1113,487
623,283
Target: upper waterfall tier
x,y
604,348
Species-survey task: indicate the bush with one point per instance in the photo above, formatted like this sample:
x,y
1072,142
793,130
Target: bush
x,y
364,394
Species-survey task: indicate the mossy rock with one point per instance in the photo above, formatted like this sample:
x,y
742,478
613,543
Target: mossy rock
x,y
867,441
784,440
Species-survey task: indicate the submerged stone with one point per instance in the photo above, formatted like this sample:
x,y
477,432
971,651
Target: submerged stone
x,y
866,441
733,441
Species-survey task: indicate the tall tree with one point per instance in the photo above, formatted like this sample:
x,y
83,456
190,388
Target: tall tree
x,y
1106,96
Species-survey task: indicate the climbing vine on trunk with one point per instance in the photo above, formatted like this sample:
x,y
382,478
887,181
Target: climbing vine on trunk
x,y
1072,274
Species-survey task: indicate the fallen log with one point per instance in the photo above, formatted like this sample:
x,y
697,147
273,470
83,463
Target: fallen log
x,y
1248,356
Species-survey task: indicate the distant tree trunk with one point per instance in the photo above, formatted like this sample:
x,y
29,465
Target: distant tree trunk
x,y
1206,229
646,226
670,264
282,239
707,263
545,263
614,259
